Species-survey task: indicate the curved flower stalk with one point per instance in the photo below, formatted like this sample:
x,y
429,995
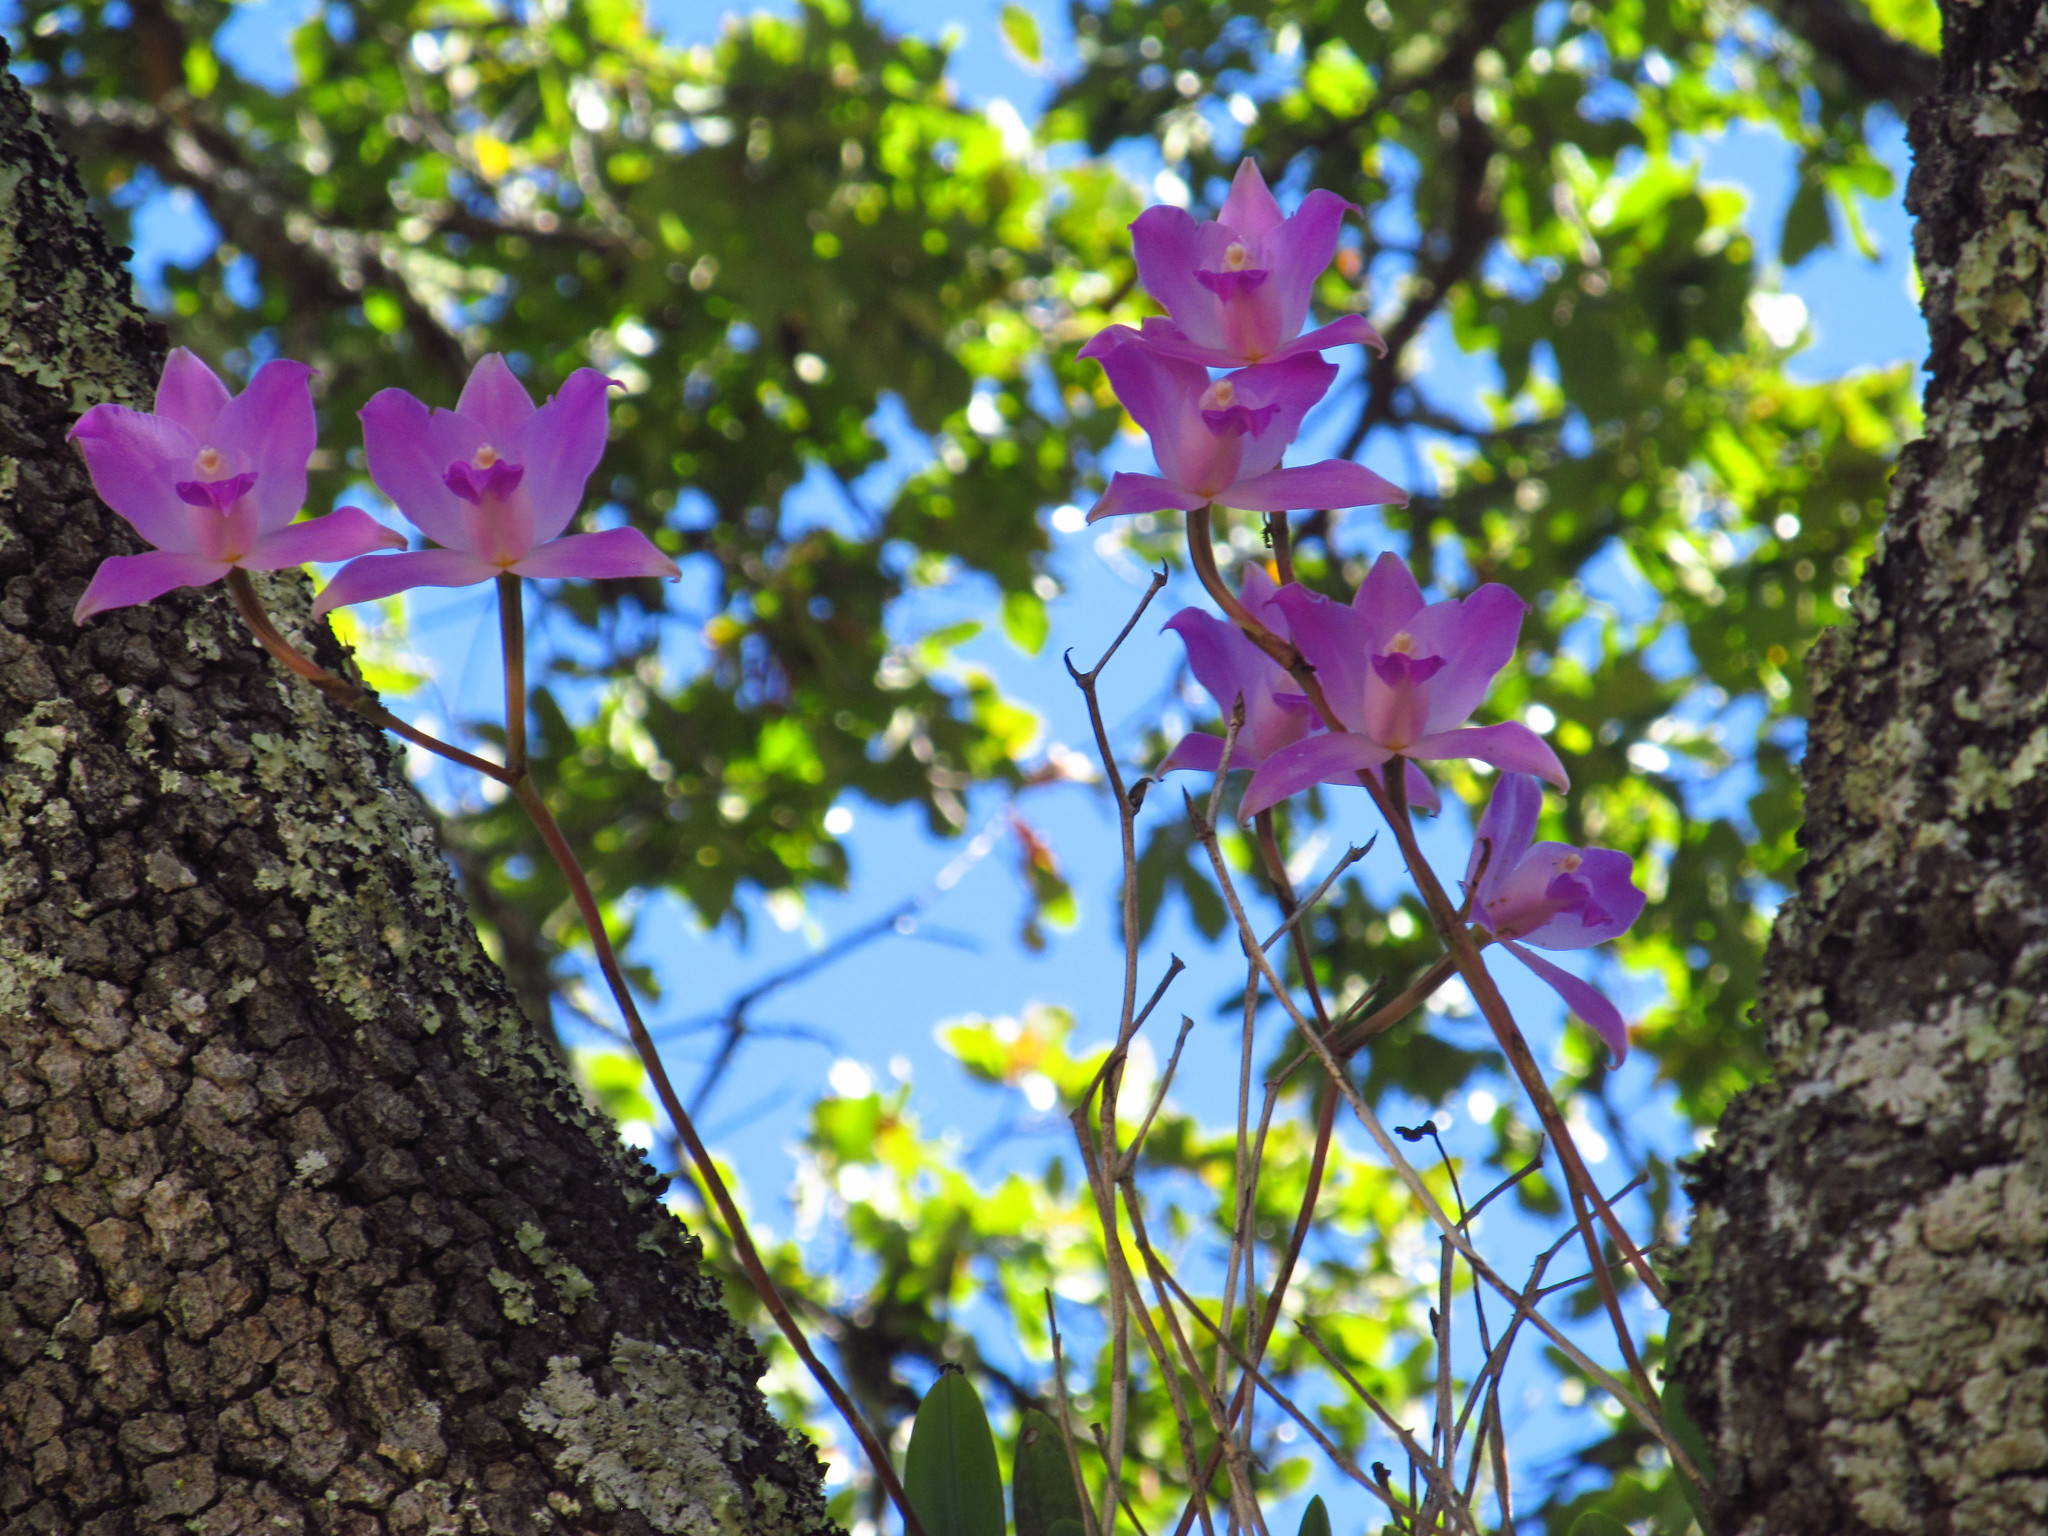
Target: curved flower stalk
x,y
1402,677
213,481
1221,441
1238,287
1552,895
493,483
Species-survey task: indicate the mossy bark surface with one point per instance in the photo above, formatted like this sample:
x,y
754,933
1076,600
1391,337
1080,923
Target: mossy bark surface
x,y
1863,1326
301,1227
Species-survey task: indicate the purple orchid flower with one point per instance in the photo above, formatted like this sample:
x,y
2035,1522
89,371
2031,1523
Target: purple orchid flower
x,y
493,483
1230,667
1222,440
1238,287
1551,895
1402,678
213,481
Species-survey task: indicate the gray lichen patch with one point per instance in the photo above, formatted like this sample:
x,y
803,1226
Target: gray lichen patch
x,y
662,1441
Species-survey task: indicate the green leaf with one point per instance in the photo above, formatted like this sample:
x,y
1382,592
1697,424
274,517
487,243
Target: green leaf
x,y
1315,1520
1020,31
1041,1483
1689,1439
950,1471
1593,1523
1806,227
1025,621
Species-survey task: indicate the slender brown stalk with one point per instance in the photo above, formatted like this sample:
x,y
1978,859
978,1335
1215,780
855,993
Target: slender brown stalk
x,y
343,692
512,645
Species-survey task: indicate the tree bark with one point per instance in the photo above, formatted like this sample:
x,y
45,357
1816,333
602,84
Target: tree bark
x,y
301,1226
1863,1329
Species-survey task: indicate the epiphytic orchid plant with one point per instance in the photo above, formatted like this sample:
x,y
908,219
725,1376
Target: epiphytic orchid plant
x,y
214,482
1317,690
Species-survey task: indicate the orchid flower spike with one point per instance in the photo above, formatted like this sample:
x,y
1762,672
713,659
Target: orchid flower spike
x,y
1238,288
493,483
1222,440
1551,895
1402,677
213,481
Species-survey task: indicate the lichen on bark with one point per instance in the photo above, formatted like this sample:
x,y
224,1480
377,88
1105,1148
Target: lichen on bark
x,y
1862,1326
270,1123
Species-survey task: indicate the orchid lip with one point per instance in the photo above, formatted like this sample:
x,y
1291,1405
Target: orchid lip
x,y
218,495
488,477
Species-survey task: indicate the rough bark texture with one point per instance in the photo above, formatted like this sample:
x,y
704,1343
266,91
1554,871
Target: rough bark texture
x,y
301,1229
1864,1329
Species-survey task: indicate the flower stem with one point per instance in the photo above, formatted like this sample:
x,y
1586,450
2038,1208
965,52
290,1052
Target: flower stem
x,y
348,695
512,641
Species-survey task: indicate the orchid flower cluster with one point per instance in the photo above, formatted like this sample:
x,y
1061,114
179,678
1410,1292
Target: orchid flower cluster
x,y
214,481
1386,678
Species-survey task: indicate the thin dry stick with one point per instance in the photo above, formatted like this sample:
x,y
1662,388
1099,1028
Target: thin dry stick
x,y
1441,1484
1416,1454
1059,1377
1119,1406
527,793
1647,1417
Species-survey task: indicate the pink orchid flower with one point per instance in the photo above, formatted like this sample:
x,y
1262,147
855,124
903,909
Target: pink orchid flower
x,y
1238,287
1402,677
1552,895
493,483
213,481
1222,440
1276,714
1230,667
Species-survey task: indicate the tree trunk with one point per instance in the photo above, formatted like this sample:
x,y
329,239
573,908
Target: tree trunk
x,y
1863,1331
301,1227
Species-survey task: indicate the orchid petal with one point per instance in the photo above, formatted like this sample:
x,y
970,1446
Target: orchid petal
x,y
123,580
560,445
1167,244
134,460
1344,331
616,552
269,428
1203,752
1250,209
496,401
375,576
1508,745
408,458
1504,832
340,535
1476,635
1333,758
1281,394
1334,642
1334,483
1581,998
1297,252
1161,393
1387,599
190,393
1130,493
1609,877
